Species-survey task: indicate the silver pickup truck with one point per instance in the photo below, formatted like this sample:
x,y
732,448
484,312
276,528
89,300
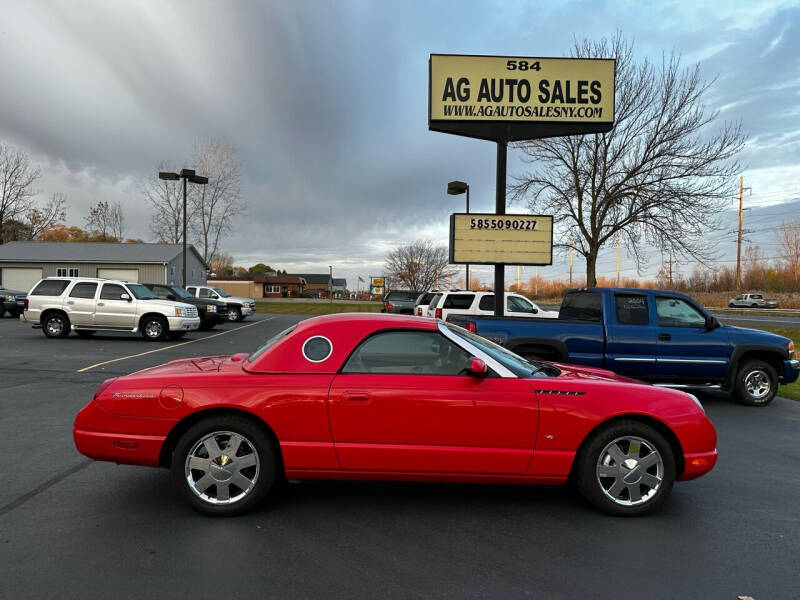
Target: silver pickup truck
x,y
752,301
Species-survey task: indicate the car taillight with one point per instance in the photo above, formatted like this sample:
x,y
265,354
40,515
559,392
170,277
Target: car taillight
x,y
389,307
791,349
25,304
438,313
471,327
419,311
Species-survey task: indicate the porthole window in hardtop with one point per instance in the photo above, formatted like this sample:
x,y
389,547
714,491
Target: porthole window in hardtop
x,y
317,348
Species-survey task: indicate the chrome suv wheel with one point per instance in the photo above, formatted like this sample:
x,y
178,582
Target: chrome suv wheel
x,y
155,328
224,465
626,469
756,383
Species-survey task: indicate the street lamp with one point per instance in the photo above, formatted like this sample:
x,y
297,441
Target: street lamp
x,y
454,188
186,175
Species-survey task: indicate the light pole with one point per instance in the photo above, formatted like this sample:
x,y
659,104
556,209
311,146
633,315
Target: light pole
x,y
454,188
330,287
185,174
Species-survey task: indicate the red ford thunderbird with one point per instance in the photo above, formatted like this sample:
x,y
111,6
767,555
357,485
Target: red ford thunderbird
x,y
392,397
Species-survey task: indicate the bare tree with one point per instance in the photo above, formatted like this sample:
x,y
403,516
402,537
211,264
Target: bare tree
x,y
17,178
217,204
659,177
106,221
789,240
166,203
419,266
222,264
41,219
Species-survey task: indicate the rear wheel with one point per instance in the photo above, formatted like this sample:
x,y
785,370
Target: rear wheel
x,y
224,465
756,383
155,328
626,469
56,325
731,305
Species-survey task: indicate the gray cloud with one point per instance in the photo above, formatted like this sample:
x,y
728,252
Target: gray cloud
x,y
326,102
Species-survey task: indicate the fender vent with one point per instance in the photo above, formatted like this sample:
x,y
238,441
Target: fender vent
x,y
560,392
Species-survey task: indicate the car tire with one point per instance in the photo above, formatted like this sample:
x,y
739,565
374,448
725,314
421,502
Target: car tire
x,y
754,306
155,328
84,333
217,485
234,314
731,305
176,335
206,325
56,325
606,477
756,383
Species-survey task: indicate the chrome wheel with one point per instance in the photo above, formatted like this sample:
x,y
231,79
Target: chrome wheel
x,y
154,329
55,326
757,384
630,471
222,467
234,314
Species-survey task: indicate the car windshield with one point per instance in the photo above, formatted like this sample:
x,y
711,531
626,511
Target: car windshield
x,y
180,292
141,292
221,292
513,362
270,343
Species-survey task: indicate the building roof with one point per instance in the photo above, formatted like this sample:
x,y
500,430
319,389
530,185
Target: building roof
x,y
278,279
313,277
96,252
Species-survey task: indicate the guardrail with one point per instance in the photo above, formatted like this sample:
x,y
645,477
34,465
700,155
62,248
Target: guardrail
x,y
750,311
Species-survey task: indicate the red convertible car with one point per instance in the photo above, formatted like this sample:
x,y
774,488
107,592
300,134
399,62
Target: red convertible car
x,y
389,397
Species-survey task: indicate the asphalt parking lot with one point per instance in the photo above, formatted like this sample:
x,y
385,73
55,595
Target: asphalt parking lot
x,y
73,528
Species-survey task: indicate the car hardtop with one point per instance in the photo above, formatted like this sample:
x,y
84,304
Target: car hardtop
x,y
343,331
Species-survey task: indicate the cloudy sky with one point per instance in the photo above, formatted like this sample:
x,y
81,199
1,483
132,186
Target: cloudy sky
x,y
326,102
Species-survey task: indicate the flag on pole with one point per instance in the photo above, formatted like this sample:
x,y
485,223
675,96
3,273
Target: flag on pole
x,y
361,279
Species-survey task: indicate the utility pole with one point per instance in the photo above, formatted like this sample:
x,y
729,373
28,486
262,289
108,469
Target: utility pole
x,y
739,237
536,276
570,263
670,268
330,285
617,261
517,278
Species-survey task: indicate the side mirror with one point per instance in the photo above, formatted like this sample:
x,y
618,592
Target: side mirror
x,y
534,311
712,322
477,368
125,297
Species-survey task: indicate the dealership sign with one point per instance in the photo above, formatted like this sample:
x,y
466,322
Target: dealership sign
x,y
516,98
489,239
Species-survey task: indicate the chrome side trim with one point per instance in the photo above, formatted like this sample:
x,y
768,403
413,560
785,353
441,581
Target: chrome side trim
x,y
632,359
693,360
496,366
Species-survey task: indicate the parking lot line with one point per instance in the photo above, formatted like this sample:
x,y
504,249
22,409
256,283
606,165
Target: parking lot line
x,y
113,360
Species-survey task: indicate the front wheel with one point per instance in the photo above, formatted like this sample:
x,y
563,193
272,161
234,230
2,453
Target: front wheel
x,y
627,469
234,314
155,329
224,465
756,383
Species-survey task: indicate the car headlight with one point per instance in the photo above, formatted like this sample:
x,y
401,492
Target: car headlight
x,y
790,350
180,311
696,401
211,308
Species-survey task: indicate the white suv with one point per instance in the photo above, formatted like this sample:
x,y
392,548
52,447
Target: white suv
x,y
461,302
84,305
238,307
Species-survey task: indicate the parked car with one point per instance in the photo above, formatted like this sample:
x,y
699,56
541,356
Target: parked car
x,y
238,308
400,302
370,396
463,302
422,302
752,301
653,335
211,312
11,302
86,305
430,310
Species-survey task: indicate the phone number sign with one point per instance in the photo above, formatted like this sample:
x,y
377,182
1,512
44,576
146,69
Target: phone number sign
x,y
489,239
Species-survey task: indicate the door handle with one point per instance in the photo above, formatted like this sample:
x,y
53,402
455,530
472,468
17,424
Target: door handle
x,y
101,304
664,337
356,396
70,302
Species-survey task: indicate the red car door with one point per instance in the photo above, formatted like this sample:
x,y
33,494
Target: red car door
x,y
404,402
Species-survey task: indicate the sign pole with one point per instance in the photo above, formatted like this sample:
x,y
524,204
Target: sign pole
x,y
500,209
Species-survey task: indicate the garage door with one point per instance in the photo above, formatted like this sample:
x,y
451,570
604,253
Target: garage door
x,y
16,278
123,274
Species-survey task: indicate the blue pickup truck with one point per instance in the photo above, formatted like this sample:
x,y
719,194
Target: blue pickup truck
x,y
657,336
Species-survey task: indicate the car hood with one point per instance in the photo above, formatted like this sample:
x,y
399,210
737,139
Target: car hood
x,y
593,373
238,299
755,336
170,303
